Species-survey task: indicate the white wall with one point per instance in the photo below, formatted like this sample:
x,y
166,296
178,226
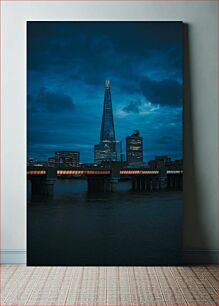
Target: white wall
x,y
200,110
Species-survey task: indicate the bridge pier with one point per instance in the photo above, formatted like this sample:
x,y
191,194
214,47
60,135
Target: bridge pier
x,y
170,182
105,183
100,183
149,182
113,183
143,183
163,183
43,184
175,181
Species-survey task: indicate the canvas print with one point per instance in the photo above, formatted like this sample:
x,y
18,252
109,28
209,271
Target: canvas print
x,y
104,143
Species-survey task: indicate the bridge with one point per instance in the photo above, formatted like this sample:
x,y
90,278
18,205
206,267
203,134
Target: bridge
x,y
105,179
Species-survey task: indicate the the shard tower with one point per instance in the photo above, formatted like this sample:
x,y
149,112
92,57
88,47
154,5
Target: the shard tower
x,y
107,127
108,149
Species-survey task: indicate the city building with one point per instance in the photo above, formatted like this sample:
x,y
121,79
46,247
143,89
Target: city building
x,y
134,148
51,162
109,149
67,158
164,161
36,163
159,162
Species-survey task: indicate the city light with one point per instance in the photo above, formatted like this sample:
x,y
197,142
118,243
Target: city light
x,y
174,171
82,172
36,172
139,172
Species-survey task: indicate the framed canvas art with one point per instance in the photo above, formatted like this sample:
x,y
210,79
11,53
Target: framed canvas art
x,y
104,145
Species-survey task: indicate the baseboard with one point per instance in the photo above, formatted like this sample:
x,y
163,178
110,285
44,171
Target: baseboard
x,y
191,257
13,256
200,257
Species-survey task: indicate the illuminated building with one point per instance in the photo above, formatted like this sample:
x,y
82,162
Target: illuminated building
x,y
108,149
67,158
134,148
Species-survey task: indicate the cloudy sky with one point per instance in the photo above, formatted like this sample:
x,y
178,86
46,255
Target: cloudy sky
x,y
68,63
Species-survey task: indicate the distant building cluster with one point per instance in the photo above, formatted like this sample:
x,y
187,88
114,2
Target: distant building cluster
x,y
109,149
67,158
61,159
164,161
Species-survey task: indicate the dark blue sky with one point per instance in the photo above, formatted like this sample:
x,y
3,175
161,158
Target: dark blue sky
x,y
68,63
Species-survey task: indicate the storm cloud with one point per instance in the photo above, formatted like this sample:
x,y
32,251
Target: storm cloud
x,y
53,102
166,92
67,65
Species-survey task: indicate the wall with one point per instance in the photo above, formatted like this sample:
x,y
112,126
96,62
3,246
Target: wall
x,y
200,111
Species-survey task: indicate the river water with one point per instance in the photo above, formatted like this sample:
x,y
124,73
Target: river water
x,y
75,228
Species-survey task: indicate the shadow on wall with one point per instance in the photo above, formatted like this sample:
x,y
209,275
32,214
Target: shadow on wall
x,y
193,230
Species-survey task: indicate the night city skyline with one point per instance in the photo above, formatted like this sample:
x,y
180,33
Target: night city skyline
x,y
68,63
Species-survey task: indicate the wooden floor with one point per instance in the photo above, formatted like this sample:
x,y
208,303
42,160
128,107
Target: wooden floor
x,y
81,286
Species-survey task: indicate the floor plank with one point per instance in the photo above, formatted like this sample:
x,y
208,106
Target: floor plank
x,y
101,286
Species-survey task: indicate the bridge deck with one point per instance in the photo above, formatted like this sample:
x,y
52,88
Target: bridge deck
x,y
101,172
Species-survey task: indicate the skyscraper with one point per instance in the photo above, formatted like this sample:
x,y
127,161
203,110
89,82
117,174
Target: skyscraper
x,y
107,127
108,149
67,158
134,148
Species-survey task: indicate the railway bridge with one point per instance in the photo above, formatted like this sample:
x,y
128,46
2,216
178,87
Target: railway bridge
x,y
105,179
